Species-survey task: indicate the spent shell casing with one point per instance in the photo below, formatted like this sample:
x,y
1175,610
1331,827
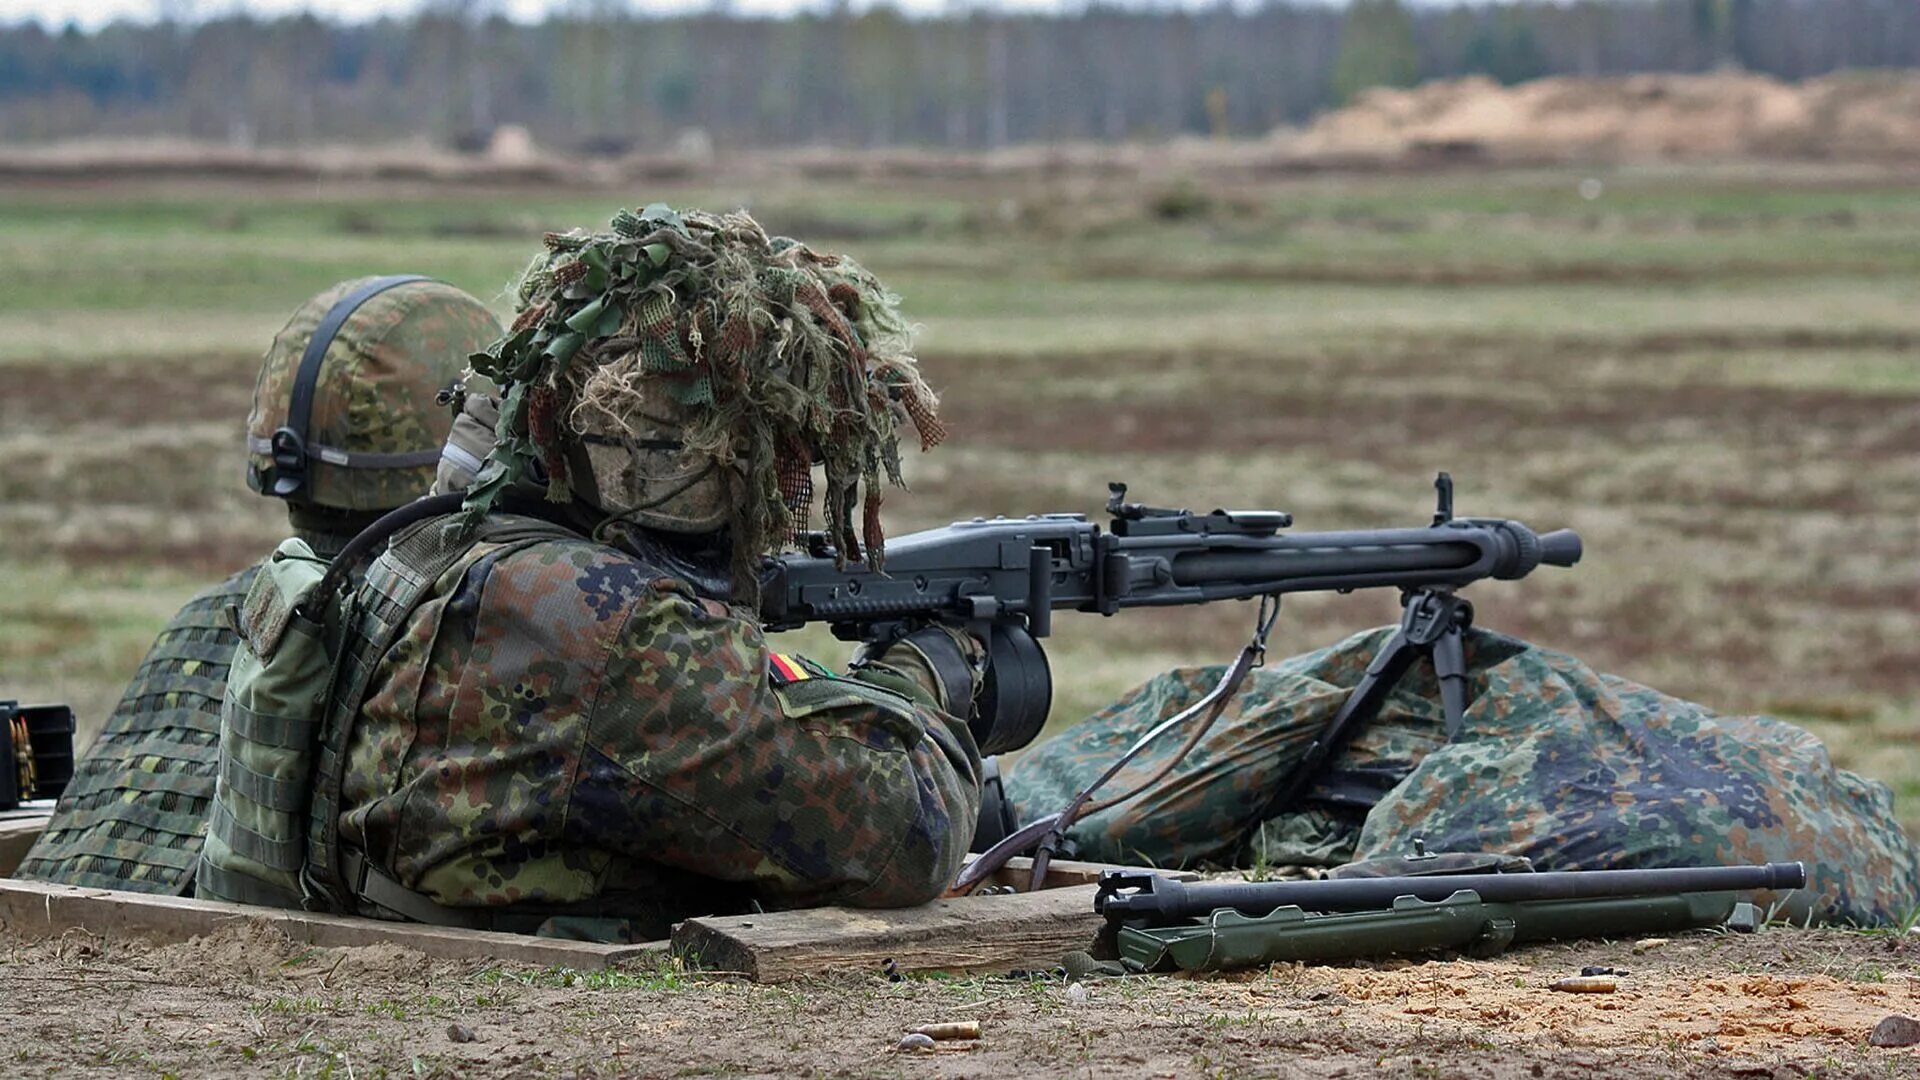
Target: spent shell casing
x,y
1587,984
957,1029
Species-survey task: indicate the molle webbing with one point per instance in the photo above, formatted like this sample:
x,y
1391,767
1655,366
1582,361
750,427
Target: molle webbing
x,y
375,618
134,816
279,681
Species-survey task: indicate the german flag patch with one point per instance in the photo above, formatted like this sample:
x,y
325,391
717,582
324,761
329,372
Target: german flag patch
x,y
787,668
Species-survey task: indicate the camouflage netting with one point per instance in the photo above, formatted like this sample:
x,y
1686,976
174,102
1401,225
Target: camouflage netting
x,y
774,358
1572,768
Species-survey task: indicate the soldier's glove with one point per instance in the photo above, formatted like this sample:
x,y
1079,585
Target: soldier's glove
x,y
470,441
949,662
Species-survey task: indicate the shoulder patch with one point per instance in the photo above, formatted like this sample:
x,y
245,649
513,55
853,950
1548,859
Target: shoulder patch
x,y
785,668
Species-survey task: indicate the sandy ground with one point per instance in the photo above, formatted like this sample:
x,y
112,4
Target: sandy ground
x,y
246,1002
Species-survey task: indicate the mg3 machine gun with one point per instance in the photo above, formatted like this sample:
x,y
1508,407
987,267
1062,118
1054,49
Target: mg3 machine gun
x,y
1003,578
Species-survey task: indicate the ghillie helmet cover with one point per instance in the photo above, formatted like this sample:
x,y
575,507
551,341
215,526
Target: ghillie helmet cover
x,y
685,371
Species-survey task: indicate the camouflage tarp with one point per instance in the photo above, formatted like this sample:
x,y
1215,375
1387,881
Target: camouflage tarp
x,y
1569,767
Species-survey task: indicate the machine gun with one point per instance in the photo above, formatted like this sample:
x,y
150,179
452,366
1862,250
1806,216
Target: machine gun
x,y
1003,578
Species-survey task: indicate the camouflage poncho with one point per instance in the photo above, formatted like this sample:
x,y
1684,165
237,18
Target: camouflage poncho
x,y
778,356
1557,762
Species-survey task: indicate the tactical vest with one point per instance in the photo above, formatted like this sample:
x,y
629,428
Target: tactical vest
x,y
337,877
350,881
135,814
311,650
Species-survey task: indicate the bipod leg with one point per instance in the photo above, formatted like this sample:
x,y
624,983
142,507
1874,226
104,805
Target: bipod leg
x,y
1361,706
1436,622
1450,667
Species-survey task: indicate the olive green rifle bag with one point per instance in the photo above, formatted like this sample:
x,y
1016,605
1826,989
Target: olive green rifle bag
x,y
1228,939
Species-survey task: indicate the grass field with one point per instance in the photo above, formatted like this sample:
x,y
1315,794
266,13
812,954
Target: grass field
x,y
1713,374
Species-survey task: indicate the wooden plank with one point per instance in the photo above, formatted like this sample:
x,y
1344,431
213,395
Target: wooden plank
x,y
29,808
37,909
967,933
19,829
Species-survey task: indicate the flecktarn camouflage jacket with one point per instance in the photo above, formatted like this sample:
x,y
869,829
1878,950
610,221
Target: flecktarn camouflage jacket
x,y
560,721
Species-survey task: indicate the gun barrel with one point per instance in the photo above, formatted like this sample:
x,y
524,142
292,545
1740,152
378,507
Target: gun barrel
x,y
1561,547
1022,569
1303,567
1128,895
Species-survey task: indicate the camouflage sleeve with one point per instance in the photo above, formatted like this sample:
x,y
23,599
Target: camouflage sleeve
x,y
906,667
708,753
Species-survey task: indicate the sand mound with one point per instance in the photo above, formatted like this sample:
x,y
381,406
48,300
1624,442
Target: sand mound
x,y
380,963
1857,116
244,949
257,952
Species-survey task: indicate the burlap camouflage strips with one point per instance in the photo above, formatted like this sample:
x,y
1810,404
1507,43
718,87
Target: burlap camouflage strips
x,y
1572,768
375,392
135,813
561,722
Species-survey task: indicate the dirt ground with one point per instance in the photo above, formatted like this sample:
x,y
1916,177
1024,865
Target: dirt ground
x,y
246,1002
1720,115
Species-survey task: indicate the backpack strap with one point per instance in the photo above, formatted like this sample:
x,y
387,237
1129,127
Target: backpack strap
x,y
363,542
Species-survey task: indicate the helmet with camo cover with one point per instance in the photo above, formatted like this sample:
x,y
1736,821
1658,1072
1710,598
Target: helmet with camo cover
x,y
345,412
685,371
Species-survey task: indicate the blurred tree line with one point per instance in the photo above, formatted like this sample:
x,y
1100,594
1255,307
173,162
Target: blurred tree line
x,y
599,77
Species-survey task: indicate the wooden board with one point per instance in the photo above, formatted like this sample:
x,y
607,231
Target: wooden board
x,y
36,909
968,933
1016,931
19,828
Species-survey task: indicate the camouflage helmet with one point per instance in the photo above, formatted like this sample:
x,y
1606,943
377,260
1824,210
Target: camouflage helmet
x,y
345,414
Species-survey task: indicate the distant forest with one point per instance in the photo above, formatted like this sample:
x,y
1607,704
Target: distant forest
x,y
602,80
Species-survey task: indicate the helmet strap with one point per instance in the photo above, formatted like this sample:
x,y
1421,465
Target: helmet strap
x,y
287,477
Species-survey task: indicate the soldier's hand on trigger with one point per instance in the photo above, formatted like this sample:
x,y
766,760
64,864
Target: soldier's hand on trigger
x,y
947,661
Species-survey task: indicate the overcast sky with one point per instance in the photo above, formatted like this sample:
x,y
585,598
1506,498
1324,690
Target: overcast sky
x,y
91,13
